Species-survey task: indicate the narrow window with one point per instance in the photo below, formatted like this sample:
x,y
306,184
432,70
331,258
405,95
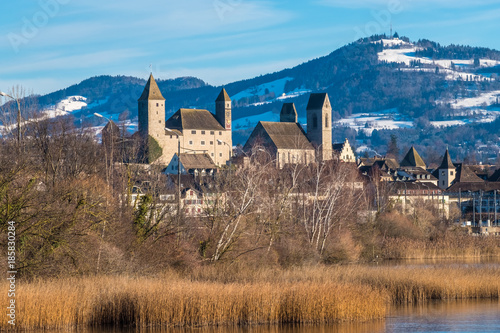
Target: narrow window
x,y
220,154
315,121
190,143
203,132
203,143
326,120
220,132
211,143
212,133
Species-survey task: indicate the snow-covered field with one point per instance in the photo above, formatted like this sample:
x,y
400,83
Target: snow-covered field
x,y
406,54
485,99
368,122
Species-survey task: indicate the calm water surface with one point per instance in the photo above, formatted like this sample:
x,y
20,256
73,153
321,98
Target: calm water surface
x,y
460,316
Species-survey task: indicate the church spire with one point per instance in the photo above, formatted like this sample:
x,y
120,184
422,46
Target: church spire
x,y
151,91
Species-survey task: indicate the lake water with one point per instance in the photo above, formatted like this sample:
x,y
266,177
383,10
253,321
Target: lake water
x,y
454,316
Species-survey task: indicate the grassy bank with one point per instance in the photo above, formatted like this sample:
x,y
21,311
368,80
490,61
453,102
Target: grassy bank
x,y
215,296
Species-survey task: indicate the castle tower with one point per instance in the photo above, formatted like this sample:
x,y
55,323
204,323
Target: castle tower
x,y
288,113
319,126
447,172
152,111
223,109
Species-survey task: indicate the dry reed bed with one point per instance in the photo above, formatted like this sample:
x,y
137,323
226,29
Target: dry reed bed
x,y
214,296
121,301
457,247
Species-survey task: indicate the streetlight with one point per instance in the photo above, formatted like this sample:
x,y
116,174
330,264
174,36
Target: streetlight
x,y
18,116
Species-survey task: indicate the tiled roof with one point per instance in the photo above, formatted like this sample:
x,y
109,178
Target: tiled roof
x,y
151,91
223,96
281,135
193,119
197,161
447,163
317,100
466,175
413,159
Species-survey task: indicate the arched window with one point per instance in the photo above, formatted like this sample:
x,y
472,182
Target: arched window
x,y
315,121
326,120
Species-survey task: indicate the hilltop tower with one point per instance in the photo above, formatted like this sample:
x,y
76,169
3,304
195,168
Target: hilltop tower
x,y
447,171
152,111
319,126
223,109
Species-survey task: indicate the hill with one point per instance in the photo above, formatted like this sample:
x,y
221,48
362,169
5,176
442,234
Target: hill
x,y
378,86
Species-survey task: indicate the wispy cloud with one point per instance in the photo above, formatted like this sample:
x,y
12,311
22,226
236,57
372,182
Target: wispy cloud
x,y
408,4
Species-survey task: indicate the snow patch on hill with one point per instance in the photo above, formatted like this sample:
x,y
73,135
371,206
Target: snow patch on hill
x,y
483,100
277,86
368,122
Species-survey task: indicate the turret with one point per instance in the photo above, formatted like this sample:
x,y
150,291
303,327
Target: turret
x,y
223,109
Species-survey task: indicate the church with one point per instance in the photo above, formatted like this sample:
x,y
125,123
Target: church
x,y
287,141
191,131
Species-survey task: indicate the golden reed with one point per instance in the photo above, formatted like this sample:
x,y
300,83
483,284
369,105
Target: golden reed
x,y
212,296
146,302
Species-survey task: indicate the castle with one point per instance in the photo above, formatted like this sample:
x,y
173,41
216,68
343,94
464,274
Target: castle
x,y
190,131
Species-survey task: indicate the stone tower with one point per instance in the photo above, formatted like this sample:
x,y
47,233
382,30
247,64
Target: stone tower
x,y
223,109
288,113
152,111
319,124
447,172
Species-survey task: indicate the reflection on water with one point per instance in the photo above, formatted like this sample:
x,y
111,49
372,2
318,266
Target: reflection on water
x,y
495,261
454,316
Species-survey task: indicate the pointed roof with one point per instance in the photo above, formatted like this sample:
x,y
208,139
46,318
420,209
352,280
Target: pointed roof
x,y
223,96
151,91
447,163
317,101
466,175
288,113
413,159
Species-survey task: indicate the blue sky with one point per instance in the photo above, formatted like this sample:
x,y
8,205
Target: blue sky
x,y
47,45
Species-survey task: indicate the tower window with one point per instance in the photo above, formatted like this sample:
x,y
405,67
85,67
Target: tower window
x,y
203,143
212,133
219,143
326,120
159,121
211,143
193,132
190,143
220,132
315,121
220,154
203,132
157,105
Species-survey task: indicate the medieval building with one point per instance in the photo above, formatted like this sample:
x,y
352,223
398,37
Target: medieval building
x,y
190,131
